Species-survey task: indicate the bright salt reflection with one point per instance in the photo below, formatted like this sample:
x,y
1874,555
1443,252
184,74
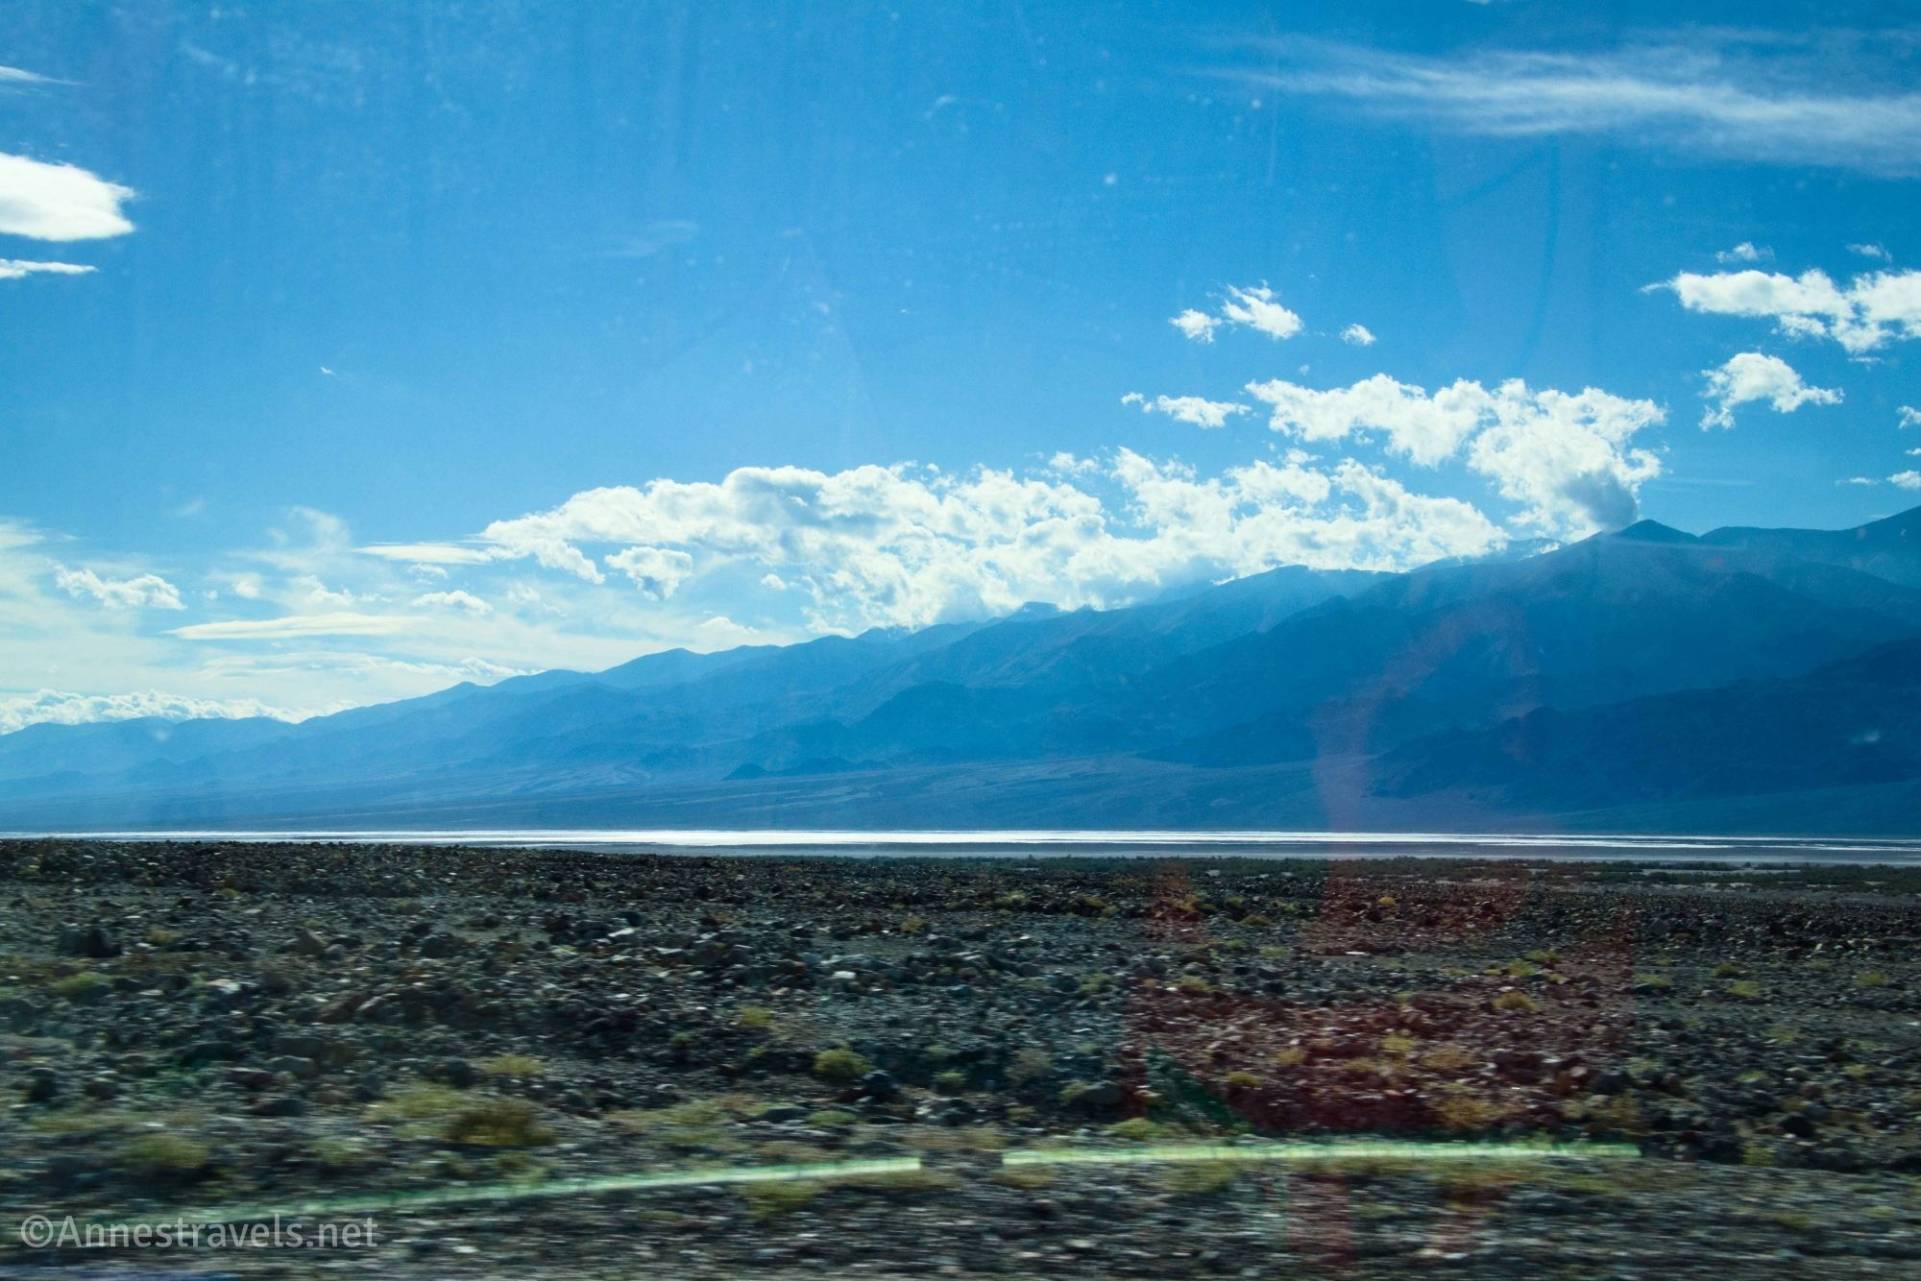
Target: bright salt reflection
x,y
1708,848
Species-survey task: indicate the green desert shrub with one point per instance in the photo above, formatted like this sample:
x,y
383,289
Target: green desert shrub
x,y
832,1119
1137,1129
164,1154
420,1102
84,986
331,1152
497,1123
1029,1064
767,1200
840,1066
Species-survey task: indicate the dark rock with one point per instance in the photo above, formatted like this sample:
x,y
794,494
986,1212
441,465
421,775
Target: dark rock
x,y
308,944
43,1085
203,1052
90,941
458,1073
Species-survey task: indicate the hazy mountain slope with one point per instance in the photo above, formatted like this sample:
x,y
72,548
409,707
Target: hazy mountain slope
x,y
108,747
674,710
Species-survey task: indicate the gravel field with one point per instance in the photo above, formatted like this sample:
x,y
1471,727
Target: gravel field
x,y
542,1063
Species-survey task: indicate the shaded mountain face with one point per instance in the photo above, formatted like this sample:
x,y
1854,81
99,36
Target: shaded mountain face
x,y
1852,723
1388,681
1616,616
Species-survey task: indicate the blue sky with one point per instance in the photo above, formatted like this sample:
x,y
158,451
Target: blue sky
x,y
353,350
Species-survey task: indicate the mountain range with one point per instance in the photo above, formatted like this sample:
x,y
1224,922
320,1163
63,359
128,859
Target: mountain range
x,y
1647,679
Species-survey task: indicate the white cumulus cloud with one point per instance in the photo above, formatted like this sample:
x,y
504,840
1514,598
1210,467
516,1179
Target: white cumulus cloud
x,y
1197,410
59,202
1253,307
1746,251
62,707
1196,325
1867,313
1565,457
1256,307
1878,252
1358,335
906,545
657,571
148,591
1906,479
1751,376
1908,416
1418,426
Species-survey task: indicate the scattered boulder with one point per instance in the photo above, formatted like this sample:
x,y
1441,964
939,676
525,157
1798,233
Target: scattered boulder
x,y
90,941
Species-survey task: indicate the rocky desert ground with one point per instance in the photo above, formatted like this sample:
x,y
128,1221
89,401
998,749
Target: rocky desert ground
x,y
546,1063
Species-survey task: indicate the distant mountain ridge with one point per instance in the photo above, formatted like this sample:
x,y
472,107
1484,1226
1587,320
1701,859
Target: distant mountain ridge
x,y
1889,548
1506,690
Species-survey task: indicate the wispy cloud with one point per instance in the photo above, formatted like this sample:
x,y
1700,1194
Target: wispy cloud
x,y
426,553
332,623
59,202
1358,335
20,269
1774,105
13,77
653,238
